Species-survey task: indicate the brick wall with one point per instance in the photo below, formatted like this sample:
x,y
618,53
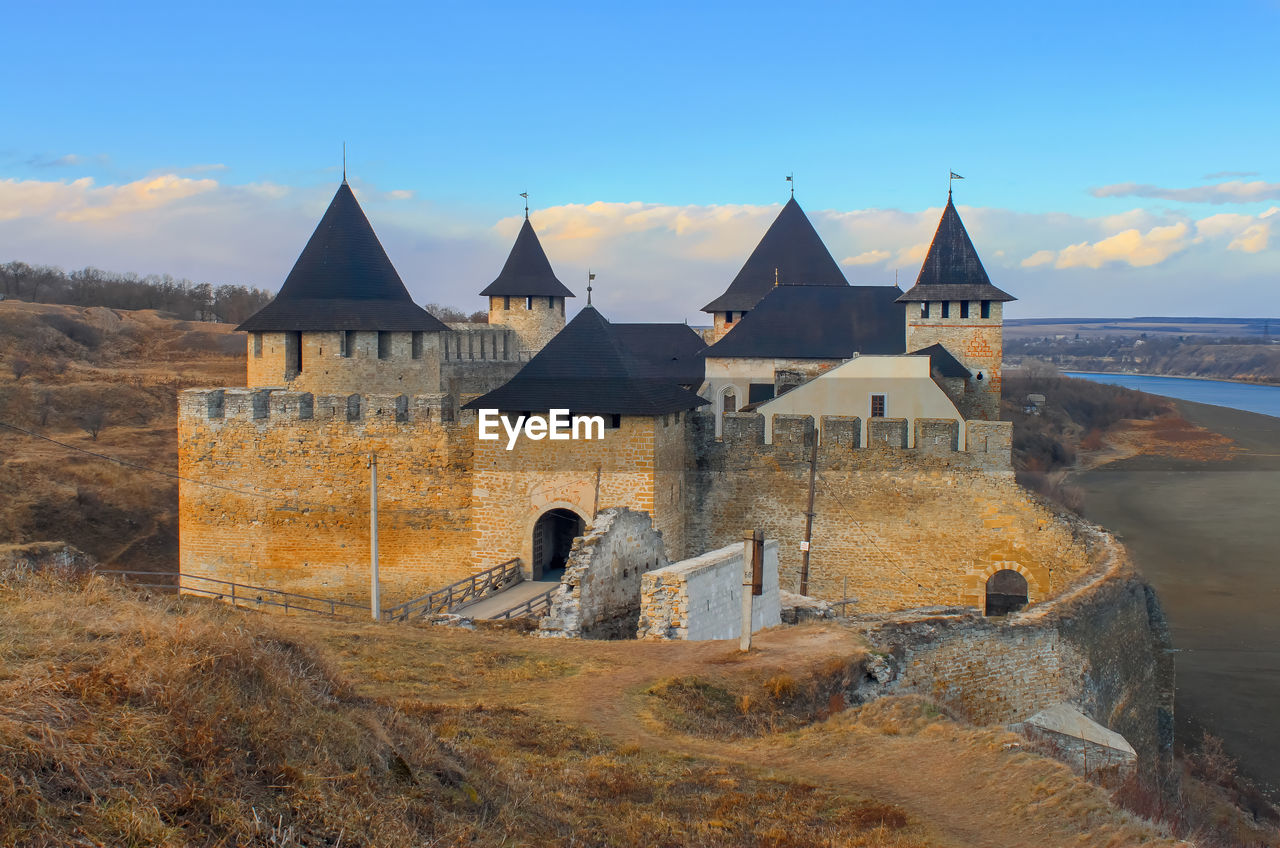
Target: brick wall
x,y
1104,648
326,370
599,596
289,503
535,326
905,527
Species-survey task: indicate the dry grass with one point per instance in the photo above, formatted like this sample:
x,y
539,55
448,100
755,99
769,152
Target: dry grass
x,y
123,369
134,721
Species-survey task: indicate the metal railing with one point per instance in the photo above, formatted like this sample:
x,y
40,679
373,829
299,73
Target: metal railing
x,y
473,588
239,594
537,606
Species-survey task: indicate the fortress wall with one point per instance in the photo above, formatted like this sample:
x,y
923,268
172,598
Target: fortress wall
x,y
701,598
906,527
535,326
976,342
1104,650
308,455
512,488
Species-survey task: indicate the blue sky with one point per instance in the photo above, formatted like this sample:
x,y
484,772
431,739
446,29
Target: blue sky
x,y
1114,153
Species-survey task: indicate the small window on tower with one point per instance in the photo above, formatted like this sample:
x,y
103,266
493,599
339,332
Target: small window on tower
x,y
562,306
257,344
384,345
528,302
946,309
551,303
728,317
417,344
506,302
986,309
924,309
348,343
964,309
877,406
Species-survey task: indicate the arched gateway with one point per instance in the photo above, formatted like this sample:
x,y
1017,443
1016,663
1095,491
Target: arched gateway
x,y
1006,592
553,536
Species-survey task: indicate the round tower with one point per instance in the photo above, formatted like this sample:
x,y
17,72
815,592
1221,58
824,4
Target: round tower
x,y
527,296
954,304
343,322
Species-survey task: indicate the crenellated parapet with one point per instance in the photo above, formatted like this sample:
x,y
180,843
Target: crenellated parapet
x,y
987,444
280,406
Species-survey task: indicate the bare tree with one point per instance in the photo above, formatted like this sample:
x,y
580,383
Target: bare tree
x,y
19,366
92,421
44,408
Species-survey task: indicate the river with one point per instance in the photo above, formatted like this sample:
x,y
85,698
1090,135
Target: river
x,y
1206,534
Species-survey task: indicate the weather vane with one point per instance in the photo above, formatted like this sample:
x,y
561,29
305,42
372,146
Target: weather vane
x,y
590,277
954,176
525,195
791,178
344,161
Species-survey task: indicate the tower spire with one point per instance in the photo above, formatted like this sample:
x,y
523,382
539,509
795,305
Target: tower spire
x,y
590,277
791,178
954,176
525,195
344,163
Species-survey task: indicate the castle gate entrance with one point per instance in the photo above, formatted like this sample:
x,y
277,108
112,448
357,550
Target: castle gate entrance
x,y
1006,592
553,537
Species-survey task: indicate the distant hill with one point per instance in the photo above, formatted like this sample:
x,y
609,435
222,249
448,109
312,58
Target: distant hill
x,y
1241,349
1023,328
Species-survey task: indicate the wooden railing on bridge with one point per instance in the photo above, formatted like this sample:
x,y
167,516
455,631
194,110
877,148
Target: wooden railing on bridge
x,y
473,588
237,594
540,605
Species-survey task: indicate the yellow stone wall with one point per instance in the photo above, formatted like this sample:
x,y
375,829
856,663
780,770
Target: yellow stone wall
x,y
326,371
290,507
535,326
977,342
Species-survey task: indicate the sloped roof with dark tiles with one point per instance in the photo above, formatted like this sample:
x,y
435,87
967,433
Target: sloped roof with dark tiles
x,y
952,269
671,349
587,370
342,281
528,271
792,248
819,322
942,361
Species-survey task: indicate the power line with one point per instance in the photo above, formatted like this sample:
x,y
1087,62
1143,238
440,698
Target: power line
x,y
298,505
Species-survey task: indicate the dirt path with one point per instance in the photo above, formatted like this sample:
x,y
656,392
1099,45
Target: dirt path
x,y
965,786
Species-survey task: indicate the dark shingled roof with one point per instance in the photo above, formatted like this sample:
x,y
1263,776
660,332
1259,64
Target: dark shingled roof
x,y
342,281
671,349
527,272
587,370
792,247
819,322
941,361
952,269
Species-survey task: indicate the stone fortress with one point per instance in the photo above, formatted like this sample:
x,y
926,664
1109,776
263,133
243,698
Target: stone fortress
x,y
885,402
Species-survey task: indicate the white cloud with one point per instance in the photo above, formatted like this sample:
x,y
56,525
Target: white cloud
x,y
79,200
1132,247
1233,191
867,257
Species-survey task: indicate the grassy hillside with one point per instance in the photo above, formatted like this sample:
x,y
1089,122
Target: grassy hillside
x,y
133,721
105,381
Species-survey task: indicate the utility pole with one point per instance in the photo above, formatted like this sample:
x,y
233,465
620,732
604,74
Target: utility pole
x,y
752,582
808,518
375,602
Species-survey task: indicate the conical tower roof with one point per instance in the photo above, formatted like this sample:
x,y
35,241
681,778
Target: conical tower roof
x,y
342,281
790,254
527,272
587,369
952,269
